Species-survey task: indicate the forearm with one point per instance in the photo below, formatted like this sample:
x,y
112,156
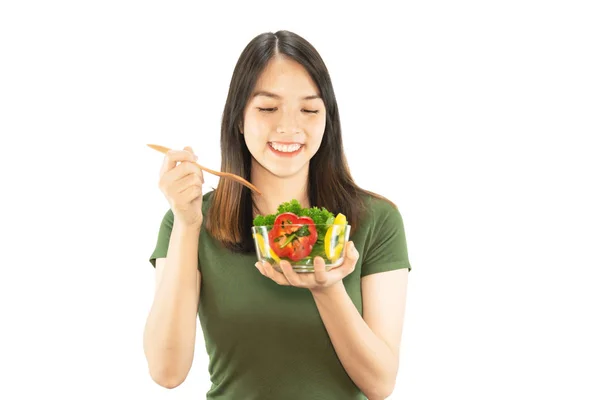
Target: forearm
x,y
367,359
170,332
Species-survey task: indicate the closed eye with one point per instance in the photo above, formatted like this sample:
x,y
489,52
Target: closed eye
x,y
274,109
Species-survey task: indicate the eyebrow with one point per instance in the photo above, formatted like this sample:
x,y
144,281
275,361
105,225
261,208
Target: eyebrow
x,y
276,96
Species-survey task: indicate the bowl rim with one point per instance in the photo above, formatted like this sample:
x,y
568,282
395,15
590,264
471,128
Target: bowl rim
x,y
267,226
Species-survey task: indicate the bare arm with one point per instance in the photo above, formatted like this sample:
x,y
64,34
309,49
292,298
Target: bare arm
x,y
170,331
368,346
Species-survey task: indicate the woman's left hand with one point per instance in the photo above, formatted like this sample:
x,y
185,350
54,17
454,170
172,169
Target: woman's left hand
x,y
320,279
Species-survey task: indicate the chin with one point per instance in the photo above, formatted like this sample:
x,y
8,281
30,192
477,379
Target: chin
x,y
284,172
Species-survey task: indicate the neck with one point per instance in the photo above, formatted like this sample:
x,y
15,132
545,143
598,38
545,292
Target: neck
x,y
276,190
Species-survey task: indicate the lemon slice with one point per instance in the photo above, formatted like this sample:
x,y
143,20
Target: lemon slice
x,y
334,253
261,246
340,219
337,251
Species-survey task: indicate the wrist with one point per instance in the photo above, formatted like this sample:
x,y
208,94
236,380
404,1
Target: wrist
x,y
336,289
187,228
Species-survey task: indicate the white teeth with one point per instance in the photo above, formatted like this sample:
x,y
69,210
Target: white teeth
x,y
286,148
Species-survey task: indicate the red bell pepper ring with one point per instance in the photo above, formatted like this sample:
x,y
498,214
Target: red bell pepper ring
x,y
293,236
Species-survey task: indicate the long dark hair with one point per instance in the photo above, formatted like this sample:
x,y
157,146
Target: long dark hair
x,y
330,183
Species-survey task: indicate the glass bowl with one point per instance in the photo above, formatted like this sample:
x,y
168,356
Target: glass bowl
x,y
293,244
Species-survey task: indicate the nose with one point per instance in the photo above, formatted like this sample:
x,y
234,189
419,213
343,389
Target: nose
x,y
288,123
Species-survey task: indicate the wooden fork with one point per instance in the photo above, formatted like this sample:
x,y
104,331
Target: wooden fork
x,y
228,175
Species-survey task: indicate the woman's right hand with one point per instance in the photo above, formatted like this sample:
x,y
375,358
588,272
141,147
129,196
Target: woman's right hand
x,y
182,186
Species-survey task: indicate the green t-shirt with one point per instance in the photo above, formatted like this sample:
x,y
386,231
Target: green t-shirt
x,y
267,341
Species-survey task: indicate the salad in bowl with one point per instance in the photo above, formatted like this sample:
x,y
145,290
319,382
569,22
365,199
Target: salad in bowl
x,y
298,235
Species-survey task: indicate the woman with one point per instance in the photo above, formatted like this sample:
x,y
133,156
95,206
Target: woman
x,y
276,335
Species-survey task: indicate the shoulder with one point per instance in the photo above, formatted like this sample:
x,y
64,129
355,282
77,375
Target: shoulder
x,y
377,208
382,236
380,218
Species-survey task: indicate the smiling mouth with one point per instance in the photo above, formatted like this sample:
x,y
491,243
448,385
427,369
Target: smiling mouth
x,y
285,149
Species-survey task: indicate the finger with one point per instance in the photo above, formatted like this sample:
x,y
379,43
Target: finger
x,y
181,185
275,275
191,193
348,266
290,275
189,149
189,168
179,174
351,258
320,270
173,157
176,156
259,267
188,181
351,253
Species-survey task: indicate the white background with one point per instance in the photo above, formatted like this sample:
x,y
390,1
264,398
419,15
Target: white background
x,y
493,108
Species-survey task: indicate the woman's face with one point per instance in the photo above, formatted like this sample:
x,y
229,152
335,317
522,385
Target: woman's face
x,y
284,119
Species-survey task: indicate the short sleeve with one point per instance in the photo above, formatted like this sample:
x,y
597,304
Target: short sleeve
x,y
164,235
385,249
